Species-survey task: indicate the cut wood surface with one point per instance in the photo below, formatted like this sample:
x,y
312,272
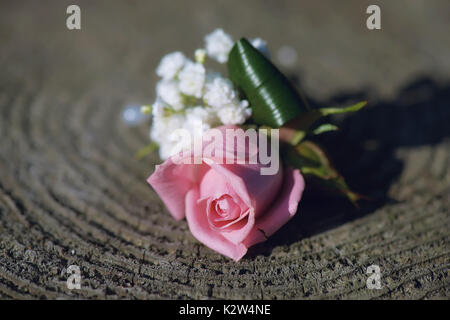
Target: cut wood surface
x,y
72,193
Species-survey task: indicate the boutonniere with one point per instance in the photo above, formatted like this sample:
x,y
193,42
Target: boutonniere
x,y
235,145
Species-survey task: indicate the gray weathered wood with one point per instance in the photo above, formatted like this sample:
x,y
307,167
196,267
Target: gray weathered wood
x,y
72,193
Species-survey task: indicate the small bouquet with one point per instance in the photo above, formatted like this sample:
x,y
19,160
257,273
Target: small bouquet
x,y
235,149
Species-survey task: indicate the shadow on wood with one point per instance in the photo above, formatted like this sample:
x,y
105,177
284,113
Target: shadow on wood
x,y
364,151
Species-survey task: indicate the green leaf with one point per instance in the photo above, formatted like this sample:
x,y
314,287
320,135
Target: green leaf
x,y
315,114
353,108
144,151
273,99
324,128
313,162
296,130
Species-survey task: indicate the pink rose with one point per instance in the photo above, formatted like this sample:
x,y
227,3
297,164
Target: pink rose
x,y
229,207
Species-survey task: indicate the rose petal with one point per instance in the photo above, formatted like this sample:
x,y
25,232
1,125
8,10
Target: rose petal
x,y
214,185
199,226
236,234
246,179
172,181
236,183
281,211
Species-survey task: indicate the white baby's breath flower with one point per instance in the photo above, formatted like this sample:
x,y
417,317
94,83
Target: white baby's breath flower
x,y
165,150
200,55
211,75
219,92
234,114
201,117
170,65
218,45
161,132
244,104
192,78
172,147
261,45
157,129
183,83
169,92
158,108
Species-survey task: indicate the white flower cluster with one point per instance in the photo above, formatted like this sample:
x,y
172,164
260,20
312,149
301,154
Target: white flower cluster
x,y
193,98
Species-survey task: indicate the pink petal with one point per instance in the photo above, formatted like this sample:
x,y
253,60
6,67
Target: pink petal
x,y
256,190
172,181
235,182
237,234
199,226
281,211
214,185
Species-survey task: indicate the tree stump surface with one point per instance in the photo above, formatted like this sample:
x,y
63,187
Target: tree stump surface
x,y
71,192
